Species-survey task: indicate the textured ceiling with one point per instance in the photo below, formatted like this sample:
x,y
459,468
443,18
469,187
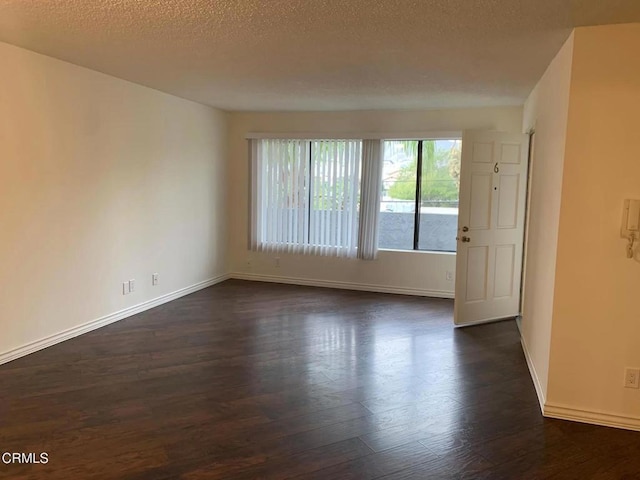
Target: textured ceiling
x,y
313,54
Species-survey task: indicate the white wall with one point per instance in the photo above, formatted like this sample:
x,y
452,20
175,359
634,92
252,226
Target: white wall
x,y
546,110
101,181
404,272
596,317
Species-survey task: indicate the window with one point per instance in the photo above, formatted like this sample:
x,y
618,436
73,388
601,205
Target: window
x,y
305,196
349,197
420,193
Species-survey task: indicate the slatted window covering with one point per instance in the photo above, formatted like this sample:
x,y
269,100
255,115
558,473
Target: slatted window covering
x,y
370,199
305,196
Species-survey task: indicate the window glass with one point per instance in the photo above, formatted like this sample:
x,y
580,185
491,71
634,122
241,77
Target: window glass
x,y
440,189
438,192
398,200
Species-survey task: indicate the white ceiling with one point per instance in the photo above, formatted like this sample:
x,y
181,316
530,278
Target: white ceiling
x,y
313,54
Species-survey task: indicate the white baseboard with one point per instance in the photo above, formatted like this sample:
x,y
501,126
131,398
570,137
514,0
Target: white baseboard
x,y
343,285
597,418
106,320
566,412
534,376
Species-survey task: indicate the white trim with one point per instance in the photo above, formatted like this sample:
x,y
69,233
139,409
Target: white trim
x,y
563,412
420,292
429,135
106,320
483,321
534,376
419,252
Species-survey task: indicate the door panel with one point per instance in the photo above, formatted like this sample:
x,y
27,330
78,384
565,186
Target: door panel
x,y
480,208
477,260
503,275
483,152
507,207
490,226
511,153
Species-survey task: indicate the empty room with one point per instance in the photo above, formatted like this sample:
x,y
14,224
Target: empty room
x,y
319,239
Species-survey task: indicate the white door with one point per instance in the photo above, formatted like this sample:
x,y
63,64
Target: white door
x,y
491,215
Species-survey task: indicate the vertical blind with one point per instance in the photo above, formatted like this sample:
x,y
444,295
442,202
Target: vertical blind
x,y
305,196
370,199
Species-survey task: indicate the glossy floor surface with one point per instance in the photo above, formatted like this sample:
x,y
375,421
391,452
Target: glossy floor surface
x,y
251,380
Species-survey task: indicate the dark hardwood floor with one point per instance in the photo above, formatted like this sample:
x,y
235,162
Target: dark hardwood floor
x,y
252,380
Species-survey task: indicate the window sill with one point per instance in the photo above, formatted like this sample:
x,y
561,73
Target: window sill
x,y
430,252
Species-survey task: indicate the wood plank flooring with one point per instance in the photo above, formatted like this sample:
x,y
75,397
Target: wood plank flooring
x,y
252,380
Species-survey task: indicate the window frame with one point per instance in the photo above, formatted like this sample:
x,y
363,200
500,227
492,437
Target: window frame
x,y
345,135
418,197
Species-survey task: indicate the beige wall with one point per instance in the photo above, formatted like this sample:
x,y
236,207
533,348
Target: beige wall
x,y
596,317
101,181
546,111
404,272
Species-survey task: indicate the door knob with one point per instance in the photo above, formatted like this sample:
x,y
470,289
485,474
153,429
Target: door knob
x,y
466,239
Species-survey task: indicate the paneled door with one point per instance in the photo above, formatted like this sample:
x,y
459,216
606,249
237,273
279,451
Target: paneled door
x,y
491,217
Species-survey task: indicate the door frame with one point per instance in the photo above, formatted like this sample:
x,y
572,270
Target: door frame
x,y
525,245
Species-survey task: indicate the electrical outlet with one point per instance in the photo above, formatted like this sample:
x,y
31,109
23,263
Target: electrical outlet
x,y
125,288
632,378
154,279
277,262
449,276
132,285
